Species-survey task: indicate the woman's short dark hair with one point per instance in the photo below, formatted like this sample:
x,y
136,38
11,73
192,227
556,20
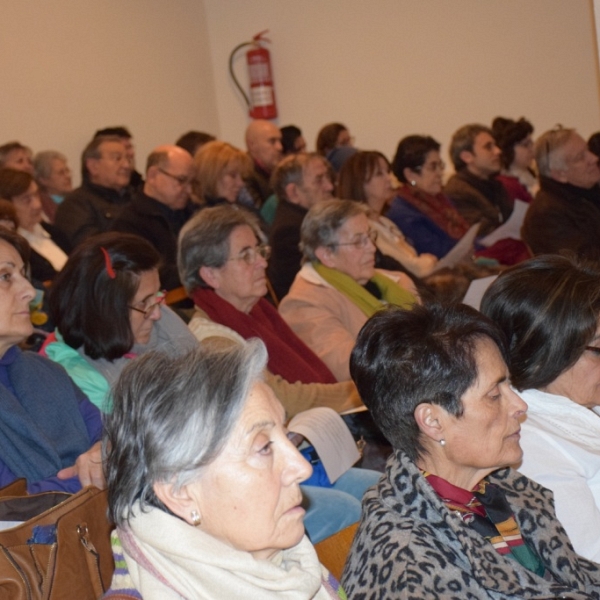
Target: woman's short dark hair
x,y
14,183
411,153
289,135
507,134
172,416
548,308
355,172
404,358
89,299
327,137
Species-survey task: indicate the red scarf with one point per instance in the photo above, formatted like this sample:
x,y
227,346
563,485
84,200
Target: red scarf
x,y
438,208
289,356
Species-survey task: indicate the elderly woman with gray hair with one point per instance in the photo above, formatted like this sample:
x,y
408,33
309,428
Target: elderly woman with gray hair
x,y
54,179
204,483
338,287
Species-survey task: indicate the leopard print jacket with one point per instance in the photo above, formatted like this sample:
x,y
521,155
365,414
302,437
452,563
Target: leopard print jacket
x,y
410,546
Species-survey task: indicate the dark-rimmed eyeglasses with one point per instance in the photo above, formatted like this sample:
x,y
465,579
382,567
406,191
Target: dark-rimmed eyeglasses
x,y
151,303
182,180
360,242
249,255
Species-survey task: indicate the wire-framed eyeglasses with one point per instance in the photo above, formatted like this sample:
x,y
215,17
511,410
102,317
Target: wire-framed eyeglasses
x,y
360,241
249,255
151,303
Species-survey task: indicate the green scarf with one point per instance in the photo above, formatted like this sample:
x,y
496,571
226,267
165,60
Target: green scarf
x,y
391,292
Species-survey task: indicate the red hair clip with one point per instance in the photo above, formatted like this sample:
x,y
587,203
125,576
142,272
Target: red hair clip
x,y
107,261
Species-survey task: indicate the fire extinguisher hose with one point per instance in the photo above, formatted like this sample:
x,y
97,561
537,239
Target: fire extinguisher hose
x,y
237,83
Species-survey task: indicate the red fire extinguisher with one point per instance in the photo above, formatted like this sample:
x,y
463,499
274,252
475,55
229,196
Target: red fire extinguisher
x,y
262,92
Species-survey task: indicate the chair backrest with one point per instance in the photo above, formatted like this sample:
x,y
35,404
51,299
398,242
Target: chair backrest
x,y
333,551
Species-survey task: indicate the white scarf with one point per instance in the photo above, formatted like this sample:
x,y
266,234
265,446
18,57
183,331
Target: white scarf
x,y
169,559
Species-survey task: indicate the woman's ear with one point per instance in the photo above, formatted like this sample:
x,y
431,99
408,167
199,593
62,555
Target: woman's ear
x,y
429,418
409,174
211,276
325,256
178,502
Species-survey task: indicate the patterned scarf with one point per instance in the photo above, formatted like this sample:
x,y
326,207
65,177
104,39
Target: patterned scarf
x,y
438,208
488,512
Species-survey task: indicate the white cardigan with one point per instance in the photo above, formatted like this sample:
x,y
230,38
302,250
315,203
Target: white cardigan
x,y
561,450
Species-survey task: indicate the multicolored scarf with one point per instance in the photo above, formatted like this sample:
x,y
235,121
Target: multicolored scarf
x,y
391,292
488,512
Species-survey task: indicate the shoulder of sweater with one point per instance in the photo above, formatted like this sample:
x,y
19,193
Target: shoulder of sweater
x,y
202,327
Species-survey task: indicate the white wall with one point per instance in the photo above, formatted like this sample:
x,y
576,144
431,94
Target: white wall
x,y
387,68
69,67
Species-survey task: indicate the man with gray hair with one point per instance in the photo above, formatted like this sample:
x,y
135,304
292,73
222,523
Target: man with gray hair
x,y
104,191
565,213
474,190
299,182
159,211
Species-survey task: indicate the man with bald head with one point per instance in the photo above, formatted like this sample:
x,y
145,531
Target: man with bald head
x,y
263,141
159,211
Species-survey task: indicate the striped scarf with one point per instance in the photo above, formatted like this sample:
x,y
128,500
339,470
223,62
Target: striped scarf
x,y
488,512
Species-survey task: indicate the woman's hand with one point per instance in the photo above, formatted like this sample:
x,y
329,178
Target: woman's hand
x,y
88,467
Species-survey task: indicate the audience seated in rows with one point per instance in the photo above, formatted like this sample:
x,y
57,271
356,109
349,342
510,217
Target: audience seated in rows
x,y
115,316
222,263
516,147
565,214
104,191
159,210
47,258
53,176
338,287
50,432
300,181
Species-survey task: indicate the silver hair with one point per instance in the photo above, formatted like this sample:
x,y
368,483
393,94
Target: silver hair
x,y
548,150
204,241
321,224
42,162
291,170
172,417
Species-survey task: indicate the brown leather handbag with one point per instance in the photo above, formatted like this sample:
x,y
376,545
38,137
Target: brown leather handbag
x,y
60,551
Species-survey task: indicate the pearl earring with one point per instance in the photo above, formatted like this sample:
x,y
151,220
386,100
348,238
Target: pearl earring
x,y
413,182
442,442
195,518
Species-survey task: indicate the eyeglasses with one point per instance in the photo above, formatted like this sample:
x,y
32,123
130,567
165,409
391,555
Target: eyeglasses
x,y
432,167
360,242
249,255
182,180
151,303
